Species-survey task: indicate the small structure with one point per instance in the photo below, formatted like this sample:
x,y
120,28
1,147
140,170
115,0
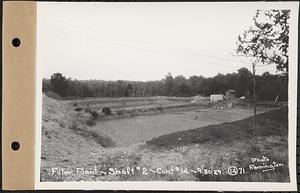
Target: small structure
x,y
216,97
231,94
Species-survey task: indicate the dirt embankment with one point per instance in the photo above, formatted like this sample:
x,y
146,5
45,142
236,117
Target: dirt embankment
x,y
65,140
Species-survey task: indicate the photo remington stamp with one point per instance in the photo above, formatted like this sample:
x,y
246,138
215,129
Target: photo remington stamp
x,y
160,92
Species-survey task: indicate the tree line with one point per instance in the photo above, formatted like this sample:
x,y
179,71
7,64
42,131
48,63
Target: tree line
x,y
265,42
269,86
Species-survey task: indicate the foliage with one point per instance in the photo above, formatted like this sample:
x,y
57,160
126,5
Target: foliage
x,y
78,109
244,81
59,84
87,110
90,122
268,40
169,85
94,114
106,110
268,86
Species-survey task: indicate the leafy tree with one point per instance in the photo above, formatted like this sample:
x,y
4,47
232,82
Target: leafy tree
x,y
169,85
219,83
244,81
231,80
268,40
128,90
196,84
181,86
46,85
269,86
106,110
59,84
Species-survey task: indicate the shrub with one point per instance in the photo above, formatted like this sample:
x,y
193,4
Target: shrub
x,y
120,112
160,108
90,122
78,109
87,110
94,114
106,110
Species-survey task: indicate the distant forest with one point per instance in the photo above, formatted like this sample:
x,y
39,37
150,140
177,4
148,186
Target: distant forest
x,y
268,86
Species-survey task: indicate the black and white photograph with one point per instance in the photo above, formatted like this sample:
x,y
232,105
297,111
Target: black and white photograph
x,y
163,92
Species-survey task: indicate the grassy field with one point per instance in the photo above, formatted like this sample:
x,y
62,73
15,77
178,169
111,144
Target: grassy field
x,y
195,140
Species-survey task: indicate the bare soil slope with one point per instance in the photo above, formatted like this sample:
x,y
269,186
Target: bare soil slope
x,y
64,141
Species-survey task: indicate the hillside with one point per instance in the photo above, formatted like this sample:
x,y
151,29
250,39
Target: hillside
x,y
63,138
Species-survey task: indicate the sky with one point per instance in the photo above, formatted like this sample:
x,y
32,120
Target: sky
x,y
141,41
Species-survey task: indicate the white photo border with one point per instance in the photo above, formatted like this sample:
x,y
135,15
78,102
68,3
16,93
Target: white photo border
x,y
174,185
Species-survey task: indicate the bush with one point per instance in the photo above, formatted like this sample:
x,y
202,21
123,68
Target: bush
x,y
90,122
87,110
78,109
120,112
106,110
94,114
160,108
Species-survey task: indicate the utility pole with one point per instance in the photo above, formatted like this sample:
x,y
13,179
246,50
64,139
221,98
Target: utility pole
x,y
254,94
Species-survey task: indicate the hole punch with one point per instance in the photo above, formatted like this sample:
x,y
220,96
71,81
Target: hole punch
x,y
16,42
15,145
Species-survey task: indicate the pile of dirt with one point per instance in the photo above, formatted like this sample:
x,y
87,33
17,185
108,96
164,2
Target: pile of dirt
x,y
63,115
272,123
